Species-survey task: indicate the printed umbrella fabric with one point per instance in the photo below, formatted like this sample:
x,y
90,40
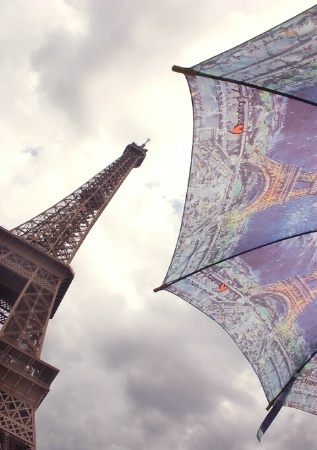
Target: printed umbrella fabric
x,y
247,250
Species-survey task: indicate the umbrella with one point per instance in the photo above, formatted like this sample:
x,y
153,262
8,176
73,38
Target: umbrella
x,y
247,247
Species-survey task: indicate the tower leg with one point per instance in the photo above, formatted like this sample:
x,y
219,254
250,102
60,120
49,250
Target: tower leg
x,y
16,424
30,284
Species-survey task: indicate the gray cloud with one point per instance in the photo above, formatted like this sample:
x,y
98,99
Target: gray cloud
x,y
138,370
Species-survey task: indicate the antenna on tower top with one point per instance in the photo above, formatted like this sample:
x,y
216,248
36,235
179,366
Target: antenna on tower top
x,y
143,145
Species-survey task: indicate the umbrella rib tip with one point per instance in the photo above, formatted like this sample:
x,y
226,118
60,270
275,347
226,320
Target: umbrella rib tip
x,y
184,70
160,288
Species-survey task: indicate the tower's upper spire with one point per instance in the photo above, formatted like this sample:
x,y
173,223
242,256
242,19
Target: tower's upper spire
x,y
143,145
60,230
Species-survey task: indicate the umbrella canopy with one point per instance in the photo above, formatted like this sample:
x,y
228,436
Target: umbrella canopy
x,y
247,249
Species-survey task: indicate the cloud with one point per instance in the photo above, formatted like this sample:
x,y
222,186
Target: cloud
x,y
82,79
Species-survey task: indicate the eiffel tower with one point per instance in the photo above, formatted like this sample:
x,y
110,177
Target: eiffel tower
x,y
35,274
294,293
279,183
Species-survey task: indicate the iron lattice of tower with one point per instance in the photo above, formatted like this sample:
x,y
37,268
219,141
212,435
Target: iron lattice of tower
x,y
34,277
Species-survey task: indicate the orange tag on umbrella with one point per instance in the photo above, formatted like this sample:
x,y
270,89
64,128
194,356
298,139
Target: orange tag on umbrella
x,y
222,287
238,129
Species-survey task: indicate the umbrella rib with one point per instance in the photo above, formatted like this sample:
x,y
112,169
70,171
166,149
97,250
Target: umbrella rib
x,y
193,72
165,285
278,401
291,380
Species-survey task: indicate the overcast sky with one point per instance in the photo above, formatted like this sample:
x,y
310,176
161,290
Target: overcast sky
x,y
79,81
